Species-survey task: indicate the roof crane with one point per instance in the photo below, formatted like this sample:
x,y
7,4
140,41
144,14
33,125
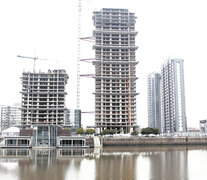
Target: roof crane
x,y
34,58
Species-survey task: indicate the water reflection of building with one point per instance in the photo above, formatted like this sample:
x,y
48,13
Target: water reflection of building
x,y
45,164
62,153
112,166
112,163
170,164
35,164
17,153
45,153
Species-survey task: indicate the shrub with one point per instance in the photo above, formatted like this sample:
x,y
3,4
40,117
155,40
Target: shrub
x,y
106,131
150,130
156,131
89,131
134,133
79,131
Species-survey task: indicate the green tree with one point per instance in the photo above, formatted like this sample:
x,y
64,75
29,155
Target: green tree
x,y
112,131
149,130
106,131
134,133
90,131
80,131
156,131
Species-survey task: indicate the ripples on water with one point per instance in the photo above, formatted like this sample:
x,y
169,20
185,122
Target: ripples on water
x,y
166,162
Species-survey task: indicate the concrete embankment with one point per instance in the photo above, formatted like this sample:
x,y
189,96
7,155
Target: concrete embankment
x,y
137,141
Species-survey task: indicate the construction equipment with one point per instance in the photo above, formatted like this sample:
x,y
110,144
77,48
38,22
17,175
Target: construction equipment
x,y
35,58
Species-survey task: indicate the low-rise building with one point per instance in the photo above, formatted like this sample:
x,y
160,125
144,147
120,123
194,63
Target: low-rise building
x,y
203,126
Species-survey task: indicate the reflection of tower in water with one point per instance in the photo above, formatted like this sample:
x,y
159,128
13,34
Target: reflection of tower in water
x,y
116,165
43,165
44,158
169,164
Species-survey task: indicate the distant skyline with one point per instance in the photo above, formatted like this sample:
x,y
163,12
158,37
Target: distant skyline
x,y
175,29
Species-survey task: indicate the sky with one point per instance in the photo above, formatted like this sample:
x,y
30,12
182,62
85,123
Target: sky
x,y
48,29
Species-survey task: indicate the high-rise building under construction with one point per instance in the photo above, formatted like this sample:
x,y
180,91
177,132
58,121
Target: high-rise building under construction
x,y
43,98
115,69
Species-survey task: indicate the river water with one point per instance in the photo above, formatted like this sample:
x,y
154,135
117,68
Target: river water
x,y
143,163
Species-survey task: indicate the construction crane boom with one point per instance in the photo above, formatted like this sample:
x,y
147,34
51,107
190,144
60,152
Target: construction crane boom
x,y
34,58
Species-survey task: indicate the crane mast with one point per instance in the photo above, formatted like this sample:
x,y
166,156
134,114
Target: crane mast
x,y
78,57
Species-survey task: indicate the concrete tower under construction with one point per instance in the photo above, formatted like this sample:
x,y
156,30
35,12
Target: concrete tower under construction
x,y
43,98
115,70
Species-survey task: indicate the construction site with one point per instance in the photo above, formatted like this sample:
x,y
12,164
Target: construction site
x,y
44,116
115,70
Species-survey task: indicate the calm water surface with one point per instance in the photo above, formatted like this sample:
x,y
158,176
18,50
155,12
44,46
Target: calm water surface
x,y
180,162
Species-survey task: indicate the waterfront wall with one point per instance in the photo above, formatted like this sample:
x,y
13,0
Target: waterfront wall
x,y
137,141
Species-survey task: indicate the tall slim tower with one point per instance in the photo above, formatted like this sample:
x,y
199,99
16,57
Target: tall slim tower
x,y
173,112
115,69
154,108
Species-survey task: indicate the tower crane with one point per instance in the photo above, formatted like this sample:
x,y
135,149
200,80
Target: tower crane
x,y
35,58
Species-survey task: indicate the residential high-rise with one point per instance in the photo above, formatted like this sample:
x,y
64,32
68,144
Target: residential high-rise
x,y
154,108
173,114
115,69
203,126
43,98
73,118
9,116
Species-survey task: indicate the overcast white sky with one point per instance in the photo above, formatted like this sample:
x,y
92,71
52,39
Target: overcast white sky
x,y
166,28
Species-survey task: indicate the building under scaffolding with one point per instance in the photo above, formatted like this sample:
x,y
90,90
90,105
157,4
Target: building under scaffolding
x,y
115,69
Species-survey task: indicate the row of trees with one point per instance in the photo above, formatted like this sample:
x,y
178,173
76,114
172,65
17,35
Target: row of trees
x,y
92,131
87,131
110,132
146,131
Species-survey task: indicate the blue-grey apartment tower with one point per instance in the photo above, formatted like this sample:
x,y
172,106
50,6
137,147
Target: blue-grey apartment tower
x,y
154,108
173,113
